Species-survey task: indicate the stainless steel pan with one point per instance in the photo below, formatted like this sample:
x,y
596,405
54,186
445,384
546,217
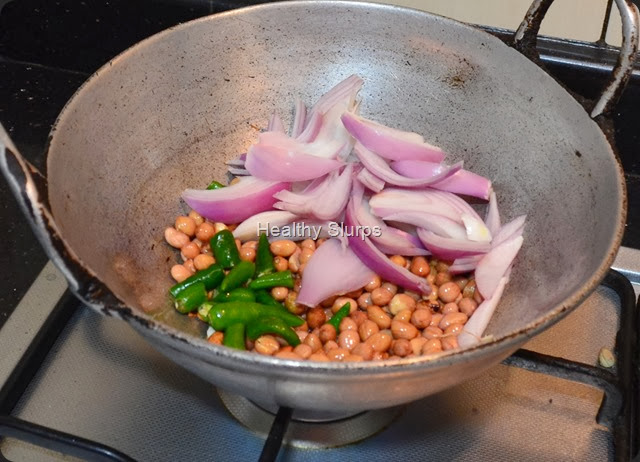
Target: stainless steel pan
x,y
166,113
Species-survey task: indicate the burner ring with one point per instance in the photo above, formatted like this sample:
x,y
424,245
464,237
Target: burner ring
x,y
309,431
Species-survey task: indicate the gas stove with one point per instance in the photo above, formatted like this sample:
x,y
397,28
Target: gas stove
x,y
76,383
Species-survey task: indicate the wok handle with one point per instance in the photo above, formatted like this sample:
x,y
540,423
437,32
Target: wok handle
x,y
29,187
526,36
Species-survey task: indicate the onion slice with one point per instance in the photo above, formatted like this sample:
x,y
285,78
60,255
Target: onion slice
x,y
346,89
332,270
450,249
492,217
438,224
234,203
325,202
494,265
514,228
474,328
330,138
301,230
379,167
376,260
299,118
458,204
238,171
275,124
391,240
464,264
277,157
253,226
461,182
311,129
386,245
370,181
476,229
395,200
390,143
238,161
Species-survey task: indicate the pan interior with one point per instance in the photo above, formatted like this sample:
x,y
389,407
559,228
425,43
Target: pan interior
x,y
165,115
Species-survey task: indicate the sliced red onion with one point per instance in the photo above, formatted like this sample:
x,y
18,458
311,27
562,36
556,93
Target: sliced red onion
x,y
464,264
283,225
395,200
234,203
275,124
494,265
300,190
332,270
459,204
371,181
349,87
299,117
238,171
461,182
301,230
238,161
476,325
332,133
492,217
474,225
438,224
332,139
392,241
376,260
379,167
412,239
385,246
311,129
418,168
277,157
476,229
390,143
512,229
324,202
450,249
253,226
344,150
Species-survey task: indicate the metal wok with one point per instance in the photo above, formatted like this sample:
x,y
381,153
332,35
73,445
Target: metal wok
x,y
167,113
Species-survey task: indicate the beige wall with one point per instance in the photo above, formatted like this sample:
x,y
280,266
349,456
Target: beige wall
x,y
575,19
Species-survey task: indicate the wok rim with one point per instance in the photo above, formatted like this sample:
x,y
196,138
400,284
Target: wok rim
x,y
494,346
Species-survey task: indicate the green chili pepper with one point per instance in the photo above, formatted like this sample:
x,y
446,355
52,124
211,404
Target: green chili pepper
x,y
191,298
272,325
222,315
210,277
264,257
339,316
203,310
238,275
264,297
215,185
279,279
234,336
224,249
241,294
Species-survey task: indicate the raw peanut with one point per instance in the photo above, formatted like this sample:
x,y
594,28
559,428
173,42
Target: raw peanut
x,y
377,315
403,329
